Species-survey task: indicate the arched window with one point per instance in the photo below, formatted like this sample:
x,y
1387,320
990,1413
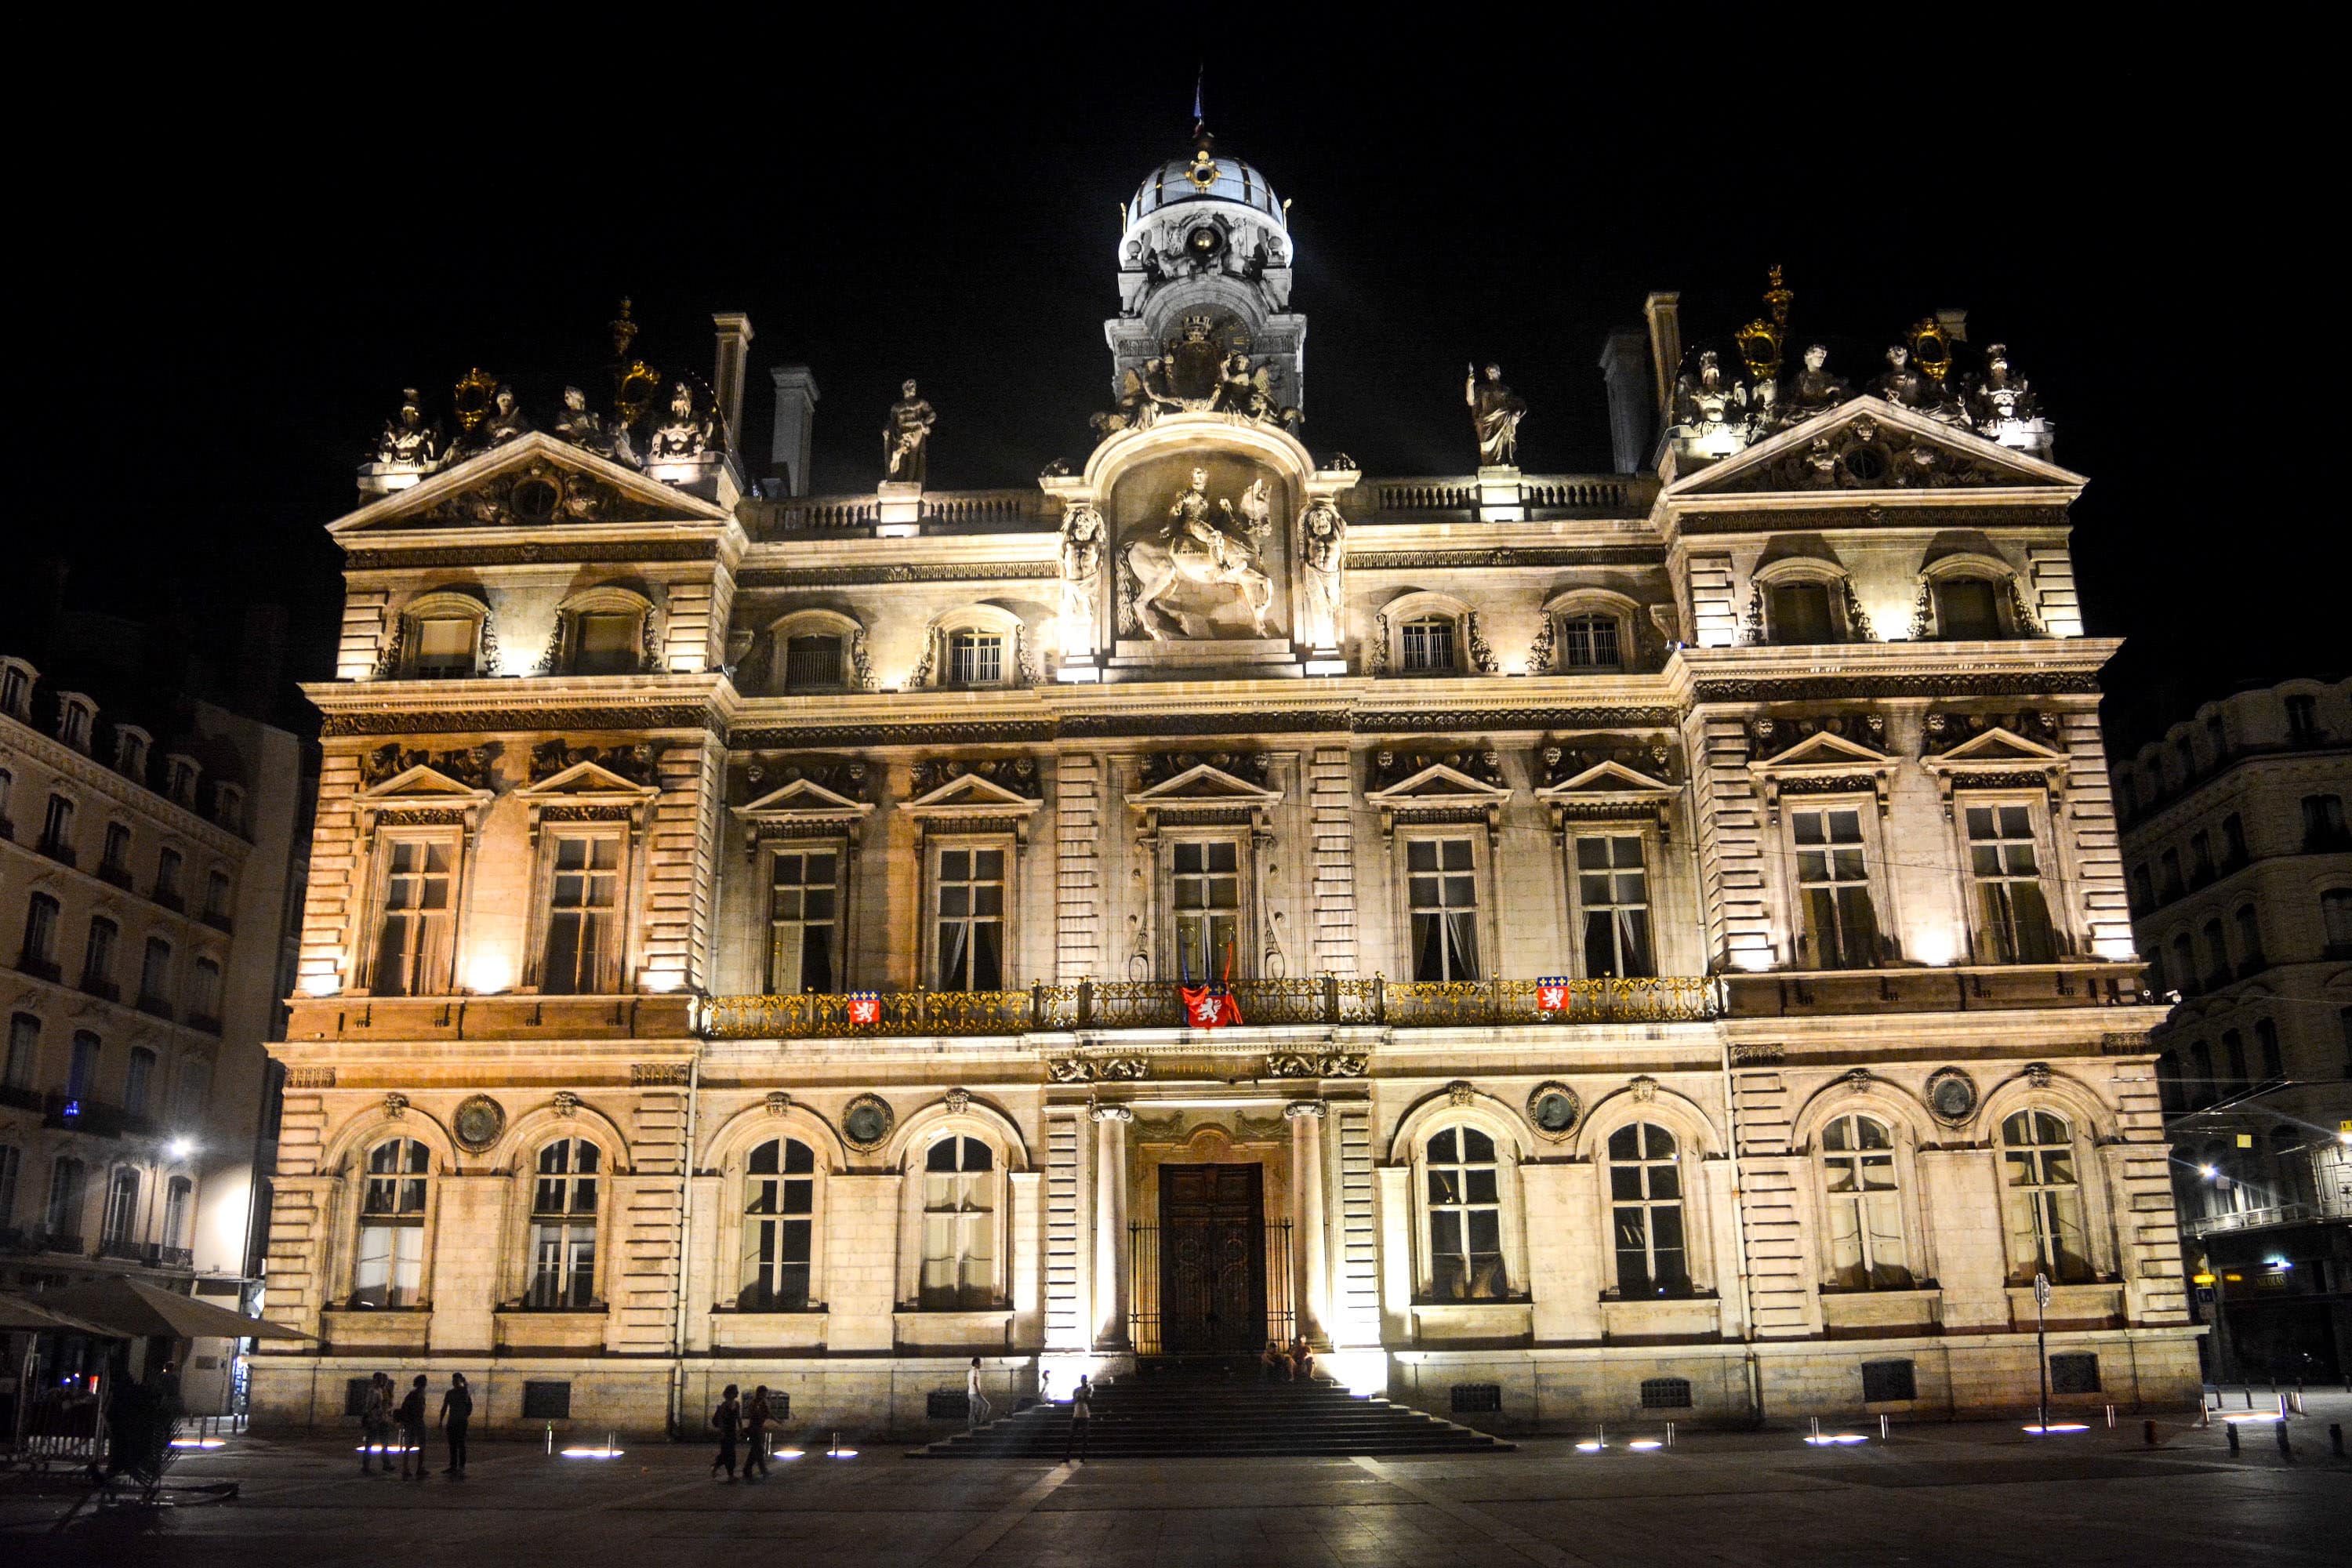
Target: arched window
x,y
155,978
2250,939
1866,1229
2217,956
1466,1217
2202,1089
2266,1046
958,1224
2335,921
1646,1198
1591,642
976,657
812,662
563,1226
778,1226
2184,964
40,953
178,1196
81,1067
2233,1053
2167,1083
23,1052
1426,645
2044,1199
57,830
138,1081
98,957
390,1267
607,641
62,1219
444,644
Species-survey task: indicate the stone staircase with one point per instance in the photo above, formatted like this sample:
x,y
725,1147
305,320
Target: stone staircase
x,y
1217,1412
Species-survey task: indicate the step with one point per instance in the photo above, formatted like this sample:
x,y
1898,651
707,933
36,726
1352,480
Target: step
x,y
1168,1416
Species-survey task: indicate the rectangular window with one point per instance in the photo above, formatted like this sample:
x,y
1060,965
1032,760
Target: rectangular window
x,y
176,1212
114,861
812,663
1800,614
40,951
1966,610
609,644
2302,719
1442,893
2012,916
81,1068
120,1222
1841,925
968,906
204,994
1666,1393
63,1217
976,658
1590,642
155,977
2323,824
24,1050
1427,645
1206,888
1475,1398
215,897
167,878
1613,894
445,645
97,958
411,951
2200,859
2173,886
1888,1382
12,1165
57,830
2233,841
391,1269
803,904
195,1088
583,923
139,1080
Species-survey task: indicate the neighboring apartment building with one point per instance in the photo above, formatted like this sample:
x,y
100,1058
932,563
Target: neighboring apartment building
x,y
1673,917
2240,863
145,885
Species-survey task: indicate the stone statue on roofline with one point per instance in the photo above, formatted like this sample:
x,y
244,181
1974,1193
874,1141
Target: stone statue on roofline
x,y
1710,413
1495,413
1902,384
409,440
1812,390
685,434
907,439
506,421
2005,408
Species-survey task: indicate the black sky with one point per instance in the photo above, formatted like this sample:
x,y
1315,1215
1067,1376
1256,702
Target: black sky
x,y
230,286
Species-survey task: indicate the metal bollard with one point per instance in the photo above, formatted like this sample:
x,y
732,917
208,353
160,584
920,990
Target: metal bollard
x,y
2111,1417
2250,1396
1882,1428
2282,1407
2147,1432
1670,1434
2230,1428
2286,1445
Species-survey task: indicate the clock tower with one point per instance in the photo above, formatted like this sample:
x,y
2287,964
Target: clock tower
x,y
1204,261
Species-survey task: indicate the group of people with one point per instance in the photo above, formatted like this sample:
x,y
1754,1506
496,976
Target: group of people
x,y
387,1427
739,1420
1293,1360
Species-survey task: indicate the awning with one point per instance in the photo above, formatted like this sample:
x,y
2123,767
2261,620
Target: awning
x,y
135,1310
19,1316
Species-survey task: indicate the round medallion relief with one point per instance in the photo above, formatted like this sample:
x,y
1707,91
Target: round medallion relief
x,y
479,1122
1952,1096
867,1122
1554,1110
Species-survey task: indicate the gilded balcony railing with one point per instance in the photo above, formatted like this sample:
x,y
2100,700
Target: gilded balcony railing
x,y
1311,1000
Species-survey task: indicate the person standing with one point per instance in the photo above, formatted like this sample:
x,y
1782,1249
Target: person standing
x,y
1082,1410
412,1428
978,1411
728,1421
756,1417
376,1421
456,1411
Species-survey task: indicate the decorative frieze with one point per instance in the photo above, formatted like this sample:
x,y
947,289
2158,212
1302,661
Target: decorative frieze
x,y
468,765
635,763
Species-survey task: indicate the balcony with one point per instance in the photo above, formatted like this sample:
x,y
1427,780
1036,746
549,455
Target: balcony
x,y
104,989
218,920
170,899
156,1006
64,1241
39,968
119,876
60,851
203,1023
176,1257
1159,1004
2255,1219
123,1250
22,1099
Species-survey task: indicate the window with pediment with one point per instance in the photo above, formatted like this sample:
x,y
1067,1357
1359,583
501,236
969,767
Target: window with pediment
x,y
1609,886
1442,879
2012,910
804,895
1836,907
416,900
584,882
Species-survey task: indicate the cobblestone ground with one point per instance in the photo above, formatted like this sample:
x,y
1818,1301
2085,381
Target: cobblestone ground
x,y
1976,1495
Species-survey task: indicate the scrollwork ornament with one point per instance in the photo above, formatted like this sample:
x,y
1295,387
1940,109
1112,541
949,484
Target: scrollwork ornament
x,y
1305,1110
1109,1113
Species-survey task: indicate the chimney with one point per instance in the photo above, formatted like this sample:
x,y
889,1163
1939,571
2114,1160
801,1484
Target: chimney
x,y
1666,314
1621,361
795,421
727,376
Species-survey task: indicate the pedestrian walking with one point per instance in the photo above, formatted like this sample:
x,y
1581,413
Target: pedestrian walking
x,y
1082,1412
375,1423
978,1411
728,1421
756,1417
456,1411
412,1428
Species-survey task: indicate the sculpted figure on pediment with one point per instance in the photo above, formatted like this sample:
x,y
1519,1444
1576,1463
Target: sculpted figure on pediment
x,y
1322,552
1812,390
408,439
684,433
507,419
1495,413
907,439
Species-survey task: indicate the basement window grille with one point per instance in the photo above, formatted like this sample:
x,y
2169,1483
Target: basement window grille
x,y
1477,1398
547,1402
2074,1375
1884,1382
1666,1393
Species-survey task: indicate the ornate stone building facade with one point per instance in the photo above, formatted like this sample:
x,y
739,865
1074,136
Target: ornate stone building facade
x,y
2239,863
1662,932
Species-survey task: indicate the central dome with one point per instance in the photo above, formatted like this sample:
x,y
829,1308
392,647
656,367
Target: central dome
x,y
1206,176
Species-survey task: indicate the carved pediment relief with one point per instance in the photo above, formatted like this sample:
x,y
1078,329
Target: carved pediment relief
x,y
629,765
1191,785
390,771
534,481
814,800
1012,780
586,779
1170,771
1871,444
1449,786
2005,750
1602,782
1838,754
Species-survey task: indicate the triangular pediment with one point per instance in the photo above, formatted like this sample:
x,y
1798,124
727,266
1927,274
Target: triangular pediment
x,y
1206,785
966,792
1608,778
535,481
585,779
421,783
1870,445
2002,746
1825,749
803,797
1438,783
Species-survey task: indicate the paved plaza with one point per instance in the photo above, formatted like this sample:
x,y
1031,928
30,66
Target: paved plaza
x,y
1976,1495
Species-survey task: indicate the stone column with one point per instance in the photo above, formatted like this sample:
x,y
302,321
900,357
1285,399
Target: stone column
x,y
1311,1272
1110,1223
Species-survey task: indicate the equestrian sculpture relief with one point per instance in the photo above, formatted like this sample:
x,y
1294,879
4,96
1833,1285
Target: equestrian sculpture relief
x,y
1204,547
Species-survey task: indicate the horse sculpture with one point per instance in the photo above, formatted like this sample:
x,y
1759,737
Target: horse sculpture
x,y
1200,548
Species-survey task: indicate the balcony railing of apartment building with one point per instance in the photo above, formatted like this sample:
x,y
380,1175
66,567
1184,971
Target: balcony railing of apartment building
x,y
1159,1005
59,850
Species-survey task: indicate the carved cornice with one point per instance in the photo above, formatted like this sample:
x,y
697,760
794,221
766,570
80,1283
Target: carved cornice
x,y
1705,518
900,572
1429,720
1479,560
481,721
532,555
1948,683
966,731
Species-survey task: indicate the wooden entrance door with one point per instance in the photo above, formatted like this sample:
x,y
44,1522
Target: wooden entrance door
x,y
1211,1259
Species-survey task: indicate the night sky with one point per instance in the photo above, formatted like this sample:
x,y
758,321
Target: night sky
x,y
226,303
